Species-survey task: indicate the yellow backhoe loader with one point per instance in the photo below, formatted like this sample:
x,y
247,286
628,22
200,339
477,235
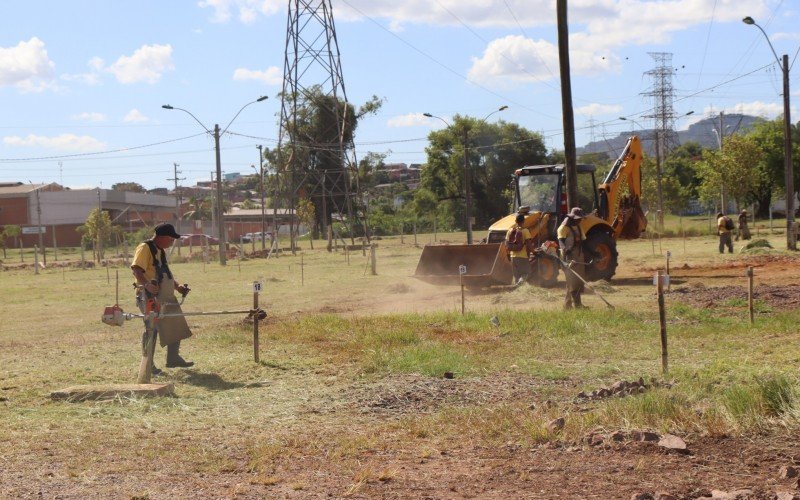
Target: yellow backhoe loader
x,y
614,212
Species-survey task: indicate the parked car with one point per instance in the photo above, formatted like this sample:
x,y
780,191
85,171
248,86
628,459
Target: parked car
x,y
258,236
198,240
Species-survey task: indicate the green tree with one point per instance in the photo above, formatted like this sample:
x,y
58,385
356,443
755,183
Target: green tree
x,y
495,150
98,230
318,124
9,231
768,136
249,204
739,166
307,216
133,187
200,208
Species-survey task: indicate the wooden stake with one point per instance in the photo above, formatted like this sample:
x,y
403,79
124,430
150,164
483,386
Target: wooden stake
x,y
302,271
116,299
55,244
35,259
21,254
401,234
108,274
662,316
415,233
750,293
83,258
372,260
461,279
256,286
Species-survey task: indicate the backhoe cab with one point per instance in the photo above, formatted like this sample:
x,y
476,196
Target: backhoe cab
x,y
613,209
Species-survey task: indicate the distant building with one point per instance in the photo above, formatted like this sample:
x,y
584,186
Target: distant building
x,y
58,211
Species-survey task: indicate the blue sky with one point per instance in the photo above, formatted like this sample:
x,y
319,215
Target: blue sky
x,y
82,82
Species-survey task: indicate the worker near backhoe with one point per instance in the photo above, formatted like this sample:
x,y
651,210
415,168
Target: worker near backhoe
x,y
518,244
570,241
155,280
744,231
724,229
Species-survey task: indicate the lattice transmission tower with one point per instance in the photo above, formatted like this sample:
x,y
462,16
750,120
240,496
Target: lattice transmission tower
x,y
316,155
663,94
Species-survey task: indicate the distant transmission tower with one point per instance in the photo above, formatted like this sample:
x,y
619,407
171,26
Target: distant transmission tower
x,y
317,167
663,93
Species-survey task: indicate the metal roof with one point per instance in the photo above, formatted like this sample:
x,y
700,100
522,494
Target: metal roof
x,y
12,189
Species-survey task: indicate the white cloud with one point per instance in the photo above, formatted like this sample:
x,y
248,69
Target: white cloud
x,y
135,116
147,64
514,60
91,78
596,109
272,76
756,108
247,10
408,120
785,36
90,117
63,142
26,66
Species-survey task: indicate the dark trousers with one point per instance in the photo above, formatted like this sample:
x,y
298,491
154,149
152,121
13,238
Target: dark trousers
x,y
574,284
725,240
520,268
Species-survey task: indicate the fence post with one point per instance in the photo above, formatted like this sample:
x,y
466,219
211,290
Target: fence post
x,y
750,292
35,259
256,289
372,259
662,316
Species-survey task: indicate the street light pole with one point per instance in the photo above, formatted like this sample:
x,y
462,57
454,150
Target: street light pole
x,y
791,243
467,177
223,240
261,188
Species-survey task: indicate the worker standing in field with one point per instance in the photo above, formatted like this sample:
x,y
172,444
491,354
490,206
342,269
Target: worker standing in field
x,y
724,229
154,279
518,240
570,241
744,231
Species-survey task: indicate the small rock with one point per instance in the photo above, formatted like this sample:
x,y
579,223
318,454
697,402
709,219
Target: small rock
x,y
661,495
650,437
786,495
596,440
672,442
618,386
556,425
448,375
642,389
642,496
581,394
788,472
618,436
532,406
732,495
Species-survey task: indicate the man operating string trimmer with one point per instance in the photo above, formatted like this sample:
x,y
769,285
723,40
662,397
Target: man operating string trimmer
x,y
155,280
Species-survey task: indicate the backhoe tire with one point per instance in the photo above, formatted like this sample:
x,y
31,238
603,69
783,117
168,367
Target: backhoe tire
x,y
544,272
602,251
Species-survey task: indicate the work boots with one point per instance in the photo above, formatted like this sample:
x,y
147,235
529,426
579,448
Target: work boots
x,y
174,360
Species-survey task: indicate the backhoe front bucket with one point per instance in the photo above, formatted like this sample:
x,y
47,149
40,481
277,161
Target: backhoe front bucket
x,y
487,264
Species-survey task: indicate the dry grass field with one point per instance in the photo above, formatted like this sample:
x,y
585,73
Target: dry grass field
x,y
350,398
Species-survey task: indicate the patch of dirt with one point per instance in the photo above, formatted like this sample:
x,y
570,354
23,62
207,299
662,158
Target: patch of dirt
x,y
775,296
398,288
419,394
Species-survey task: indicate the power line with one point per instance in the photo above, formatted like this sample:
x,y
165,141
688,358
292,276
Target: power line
x,y
96,153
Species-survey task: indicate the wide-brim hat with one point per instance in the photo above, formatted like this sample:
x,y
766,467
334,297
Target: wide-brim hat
x,y
166,230
576,213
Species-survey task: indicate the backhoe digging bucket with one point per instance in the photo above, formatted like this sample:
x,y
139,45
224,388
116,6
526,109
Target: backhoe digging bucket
x,y
486,265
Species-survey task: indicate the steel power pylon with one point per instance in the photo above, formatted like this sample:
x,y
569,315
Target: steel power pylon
x,y
323,171
663,94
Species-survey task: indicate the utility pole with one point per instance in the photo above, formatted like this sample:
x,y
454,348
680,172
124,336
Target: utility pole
x,y
566,105
467,187
39,227
223,246
261,188
791,242
177,196
723,197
